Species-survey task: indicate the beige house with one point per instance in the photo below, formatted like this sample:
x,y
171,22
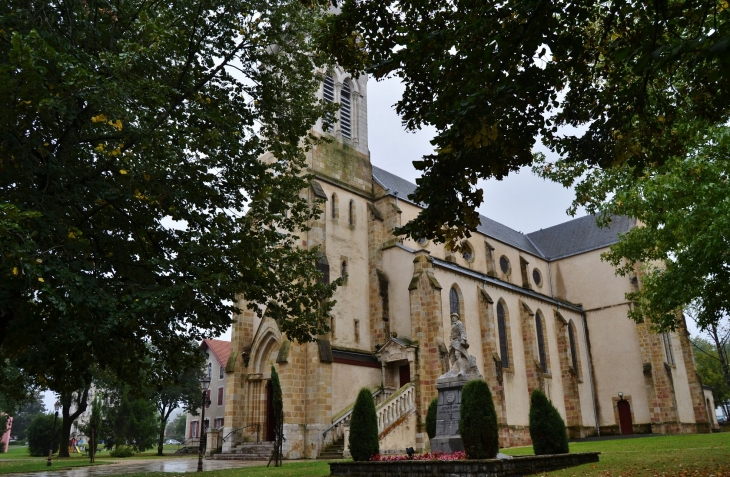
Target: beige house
x,y
541,311
217,352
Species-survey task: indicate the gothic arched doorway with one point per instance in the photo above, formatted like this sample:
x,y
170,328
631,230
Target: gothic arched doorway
x,y
624,418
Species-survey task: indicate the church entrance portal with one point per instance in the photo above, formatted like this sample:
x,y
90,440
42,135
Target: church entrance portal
x,y
269,412
624,417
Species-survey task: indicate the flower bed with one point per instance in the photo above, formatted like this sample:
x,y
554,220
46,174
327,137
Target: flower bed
x,y
459,455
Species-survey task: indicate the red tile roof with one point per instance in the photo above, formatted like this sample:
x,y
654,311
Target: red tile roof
x,y
221,349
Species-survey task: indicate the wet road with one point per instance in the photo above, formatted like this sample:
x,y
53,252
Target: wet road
x,y
132,467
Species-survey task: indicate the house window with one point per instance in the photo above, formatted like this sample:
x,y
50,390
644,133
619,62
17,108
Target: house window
x,y
345,111
220,396
222,373
667,339
351,214
502,331
207,399
218,422
210,370
573,349
454,301
194,429
540,341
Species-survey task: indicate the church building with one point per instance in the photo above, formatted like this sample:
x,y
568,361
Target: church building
x,y
540,311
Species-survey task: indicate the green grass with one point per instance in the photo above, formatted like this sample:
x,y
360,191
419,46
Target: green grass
x,y
697,455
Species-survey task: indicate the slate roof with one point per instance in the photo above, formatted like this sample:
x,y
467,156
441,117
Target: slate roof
x,y
578,236
560,241
220,349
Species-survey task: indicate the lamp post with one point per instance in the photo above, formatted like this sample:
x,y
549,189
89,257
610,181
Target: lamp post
x,y
56,406
620,396
204,383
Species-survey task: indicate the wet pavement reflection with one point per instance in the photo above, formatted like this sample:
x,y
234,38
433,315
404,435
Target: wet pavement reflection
x,y
179,465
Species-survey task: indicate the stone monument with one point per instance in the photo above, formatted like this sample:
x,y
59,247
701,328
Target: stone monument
x,y
449,386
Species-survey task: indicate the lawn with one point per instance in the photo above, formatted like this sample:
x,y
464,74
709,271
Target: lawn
x,y
17,459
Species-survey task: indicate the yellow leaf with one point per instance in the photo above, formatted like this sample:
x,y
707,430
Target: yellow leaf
x,y
15,270
101,118
122,171
41,280
117,124
71,235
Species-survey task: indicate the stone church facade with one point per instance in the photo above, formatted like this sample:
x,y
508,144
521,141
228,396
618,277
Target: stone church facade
x,y
540,310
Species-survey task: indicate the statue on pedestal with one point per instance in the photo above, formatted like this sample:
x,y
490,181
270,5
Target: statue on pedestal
x,y
462,363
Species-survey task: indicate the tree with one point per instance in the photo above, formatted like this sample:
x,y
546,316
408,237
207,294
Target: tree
x,y
547,428
278,407
431,418
73,404
39,432
131,420
173,384
176,428
678,250
710,367
363,441
494,77
26,413
94,426
478,421
135,209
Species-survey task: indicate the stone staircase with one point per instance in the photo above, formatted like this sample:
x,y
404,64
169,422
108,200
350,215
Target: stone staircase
x,y
333,451
248,451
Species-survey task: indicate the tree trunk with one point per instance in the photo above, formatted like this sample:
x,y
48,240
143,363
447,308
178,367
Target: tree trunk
x,y
68,419
164,416
92,445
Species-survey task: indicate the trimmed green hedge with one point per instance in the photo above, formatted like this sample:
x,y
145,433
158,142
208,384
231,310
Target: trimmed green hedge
x,y
39,435
431,418
478,422
364,428
547,428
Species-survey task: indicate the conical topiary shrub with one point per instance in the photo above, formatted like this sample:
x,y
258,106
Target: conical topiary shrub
x,y
431,418
547,428
364,427
478,421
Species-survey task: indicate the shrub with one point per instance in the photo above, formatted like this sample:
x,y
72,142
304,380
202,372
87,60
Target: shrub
x,y
478,421
431,418
364,427
547,428
122,451
39,435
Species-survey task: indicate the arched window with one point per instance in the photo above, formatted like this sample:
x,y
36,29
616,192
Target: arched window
x,y
333,206
453,301
540,342
351,213
345,111
328,93
573,348
502,331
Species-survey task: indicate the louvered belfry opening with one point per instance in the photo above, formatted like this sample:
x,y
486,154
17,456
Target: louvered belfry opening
x,y
328,93
345,111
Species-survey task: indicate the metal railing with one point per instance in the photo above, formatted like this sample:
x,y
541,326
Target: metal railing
x,y
236,431
340,421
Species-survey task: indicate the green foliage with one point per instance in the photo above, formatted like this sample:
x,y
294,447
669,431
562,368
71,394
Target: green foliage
x,y
135,210
709,364
431,418
478,421
122,451
547,428
363,440
131,421
278,407
493,78
39,434
176,429
26,413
